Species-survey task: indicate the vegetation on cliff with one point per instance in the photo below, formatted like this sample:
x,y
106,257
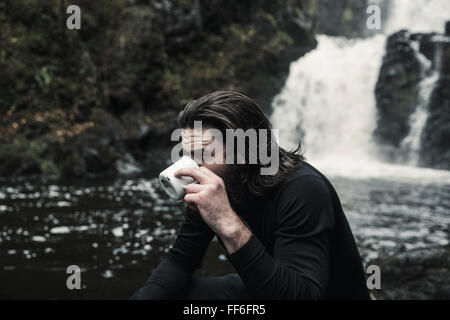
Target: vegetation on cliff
x,y
74,101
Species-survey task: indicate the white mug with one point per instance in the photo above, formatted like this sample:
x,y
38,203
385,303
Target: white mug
x,y
172,185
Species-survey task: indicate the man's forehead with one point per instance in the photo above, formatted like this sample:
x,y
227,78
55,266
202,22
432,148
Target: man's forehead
x,y
194,138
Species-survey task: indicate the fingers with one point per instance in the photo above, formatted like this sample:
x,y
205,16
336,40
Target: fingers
x,y
195,173
209,173
194,187
214,180
191,198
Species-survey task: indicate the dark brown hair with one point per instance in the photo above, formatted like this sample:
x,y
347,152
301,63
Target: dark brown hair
x,y
232,110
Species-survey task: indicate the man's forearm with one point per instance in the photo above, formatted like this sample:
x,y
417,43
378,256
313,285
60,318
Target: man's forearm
x,y
236,236
167,281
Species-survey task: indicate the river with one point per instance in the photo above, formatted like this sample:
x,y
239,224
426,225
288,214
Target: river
x,y
117,230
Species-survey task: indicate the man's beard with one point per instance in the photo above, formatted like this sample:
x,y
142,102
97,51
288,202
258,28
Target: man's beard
x,y
237,191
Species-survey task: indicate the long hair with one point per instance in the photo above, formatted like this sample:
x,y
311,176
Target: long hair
x,y
232,110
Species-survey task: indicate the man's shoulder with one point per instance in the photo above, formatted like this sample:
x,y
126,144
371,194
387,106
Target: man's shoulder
x,y
304,198
305,185
302,176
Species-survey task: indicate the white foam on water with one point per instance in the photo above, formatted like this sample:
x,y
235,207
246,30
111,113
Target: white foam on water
x,y
356,169
60,230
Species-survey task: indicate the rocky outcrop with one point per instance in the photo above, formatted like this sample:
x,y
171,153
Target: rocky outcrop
x,y
398,96
397,91
415,274
435,147
77,102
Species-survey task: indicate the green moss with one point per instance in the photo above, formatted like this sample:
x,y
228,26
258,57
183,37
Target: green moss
x,y
124,58
347,15
49,168
21,156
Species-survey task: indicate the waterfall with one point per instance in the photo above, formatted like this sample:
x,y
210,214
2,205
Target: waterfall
x,y
328,101
328,98
417,15
410,146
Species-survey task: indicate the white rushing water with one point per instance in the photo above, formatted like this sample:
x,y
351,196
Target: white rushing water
x,y
329,95
410,146
417,15
328,101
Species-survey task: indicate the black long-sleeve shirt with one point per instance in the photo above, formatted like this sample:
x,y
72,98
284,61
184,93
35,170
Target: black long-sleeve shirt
x,y
301,246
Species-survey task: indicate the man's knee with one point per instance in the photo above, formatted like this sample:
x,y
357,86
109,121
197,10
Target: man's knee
x,y
217,288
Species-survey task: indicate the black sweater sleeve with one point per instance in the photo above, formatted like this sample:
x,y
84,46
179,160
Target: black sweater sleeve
x,y
299,266
174,272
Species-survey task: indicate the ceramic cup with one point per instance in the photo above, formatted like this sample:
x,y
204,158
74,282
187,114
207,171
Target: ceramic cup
x,y
172,185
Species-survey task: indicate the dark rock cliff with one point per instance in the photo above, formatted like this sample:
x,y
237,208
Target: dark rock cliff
x,y
77,102
398,95
436,133
397,90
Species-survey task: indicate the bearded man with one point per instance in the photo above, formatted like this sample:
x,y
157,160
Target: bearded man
x,y
285,233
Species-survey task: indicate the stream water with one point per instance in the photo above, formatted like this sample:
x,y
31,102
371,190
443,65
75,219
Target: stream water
x,y
117,231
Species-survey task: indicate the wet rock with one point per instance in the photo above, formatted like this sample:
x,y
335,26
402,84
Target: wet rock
x,y
435,147
435,151
397,92
127,165
426,44
397,96
415,274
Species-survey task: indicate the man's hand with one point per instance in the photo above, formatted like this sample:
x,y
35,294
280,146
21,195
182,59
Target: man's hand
x,y
211,199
